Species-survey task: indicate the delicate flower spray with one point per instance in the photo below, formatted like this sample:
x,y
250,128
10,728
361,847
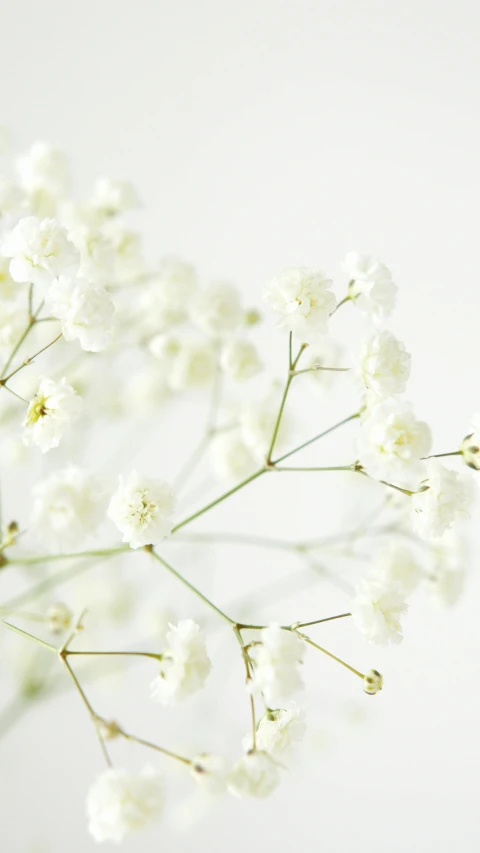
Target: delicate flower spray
x,y
76,294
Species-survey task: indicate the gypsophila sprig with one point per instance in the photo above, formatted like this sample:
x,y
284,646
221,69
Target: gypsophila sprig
x,y
143,373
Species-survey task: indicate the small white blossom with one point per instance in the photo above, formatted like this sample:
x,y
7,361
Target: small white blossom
x,y
323,353
371,285
39,250
277,730
97,255
392,441
193,365
126,245
377,610
45,176
50,412
59,618
383,364
120,802
257,423
217,311
185,664
210,772
470,446
166,301
232,459
111,197
396,564
240,360
303,299
277,664
372,682
440,501
85,310
254,775
445,579
142,510
67,507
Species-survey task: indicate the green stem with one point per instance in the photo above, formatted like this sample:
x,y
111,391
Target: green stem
x,y
339,305
320,621
189,585
30,359
327,468
154,746
121,654
316,438
320,367
48,558
219,500
440,455
330,655
29,636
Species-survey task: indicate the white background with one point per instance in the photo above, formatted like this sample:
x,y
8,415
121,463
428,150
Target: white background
x,y
261,134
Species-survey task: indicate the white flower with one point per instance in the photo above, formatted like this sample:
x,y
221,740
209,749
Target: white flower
x,y
392,441
167,299
383,364
185,664
111,197
303,299
50,412
277,664
59,618
39,251
45,167
470,446
142,510
210,772
442,498
231,457
371,285
67,507
217,311
254,775
193,365
397,565
13,321
120,802
240,360
277,730
446,577
377,609
126,246
45,176
97,256
323,353
85,309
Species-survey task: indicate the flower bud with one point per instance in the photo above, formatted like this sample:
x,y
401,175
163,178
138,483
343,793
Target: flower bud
x,y
252,317
59,618
108,729
470,449
372,682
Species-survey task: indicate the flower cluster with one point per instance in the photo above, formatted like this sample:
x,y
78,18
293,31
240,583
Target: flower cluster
x,y
117,338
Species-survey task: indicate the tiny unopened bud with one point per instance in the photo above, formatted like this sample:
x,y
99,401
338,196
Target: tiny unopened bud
x,y
252,317
10,533
372,682
108,729
59,618
470,449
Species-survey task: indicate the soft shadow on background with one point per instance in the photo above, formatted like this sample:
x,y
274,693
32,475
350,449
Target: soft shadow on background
x,y
262,134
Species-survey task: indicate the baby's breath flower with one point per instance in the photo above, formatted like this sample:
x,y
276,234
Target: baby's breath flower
x,y
303,299
193,365
383,364
470,446
277,664
39,250
240,360
85,310
441,499
166,300
392,441
45,176
217,311
120,802
67,508
142,510
396,564
50,412
185,664
59,618
371,285
277,730
323,353
111,197
231,457
377,609
254,775
210,772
